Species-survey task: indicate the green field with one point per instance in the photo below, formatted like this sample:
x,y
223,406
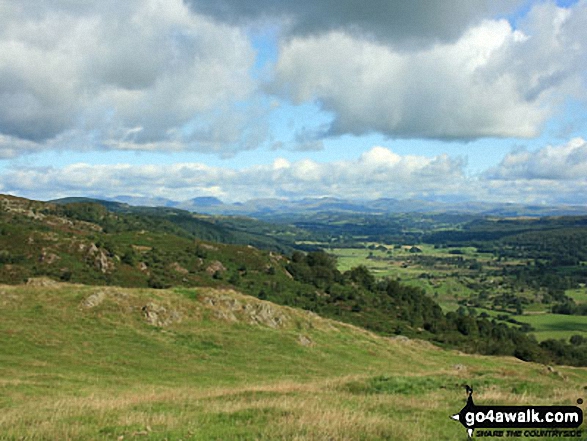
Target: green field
x,y
448,285
555,326
578,295
438,280
102,363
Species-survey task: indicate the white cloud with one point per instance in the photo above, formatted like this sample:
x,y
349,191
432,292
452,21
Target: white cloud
x,y
114,67
11,147
378,172
175,75
554,174
494,81
563,162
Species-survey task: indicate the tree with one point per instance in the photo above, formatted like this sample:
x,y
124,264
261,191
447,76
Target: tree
x,y
362,276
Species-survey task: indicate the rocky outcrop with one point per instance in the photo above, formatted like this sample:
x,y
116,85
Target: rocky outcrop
x,y
97,298
48,258
94,300
304,340
178,268
158,315
100,259
41,281
227,307
215,267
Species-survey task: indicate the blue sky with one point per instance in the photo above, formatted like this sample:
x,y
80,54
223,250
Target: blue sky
x,y
455,99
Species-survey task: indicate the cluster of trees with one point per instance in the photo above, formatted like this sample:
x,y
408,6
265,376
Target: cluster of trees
x,y
389,307
569,307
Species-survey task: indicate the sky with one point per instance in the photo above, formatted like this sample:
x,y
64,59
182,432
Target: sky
x,y
447,100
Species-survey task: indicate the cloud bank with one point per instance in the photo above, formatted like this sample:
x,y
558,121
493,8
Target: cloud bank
x,y
377,172
522,176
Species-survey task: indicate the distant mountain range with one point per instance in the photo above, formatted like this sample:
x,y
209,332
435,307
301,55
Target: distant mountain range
x,y
270,208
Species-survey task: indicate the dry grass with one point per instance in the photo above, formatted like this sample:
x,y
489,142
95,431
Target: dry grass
x,y
317,410
68,372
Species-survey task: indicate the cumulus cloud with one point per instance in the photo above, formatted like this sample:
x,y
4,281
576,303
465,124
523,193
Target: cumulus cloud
x,y
554,174
378,172
11,147
562,162
551,175
134,73
493,81
177,75
397,22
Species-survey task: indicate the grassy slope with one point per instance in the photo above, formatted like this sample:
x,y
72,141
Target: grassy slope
x,y
81,362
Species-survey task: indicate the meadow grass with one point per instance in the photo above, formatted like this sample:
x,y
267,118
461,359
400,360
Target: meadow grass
x,y
578,295
87,363
555,326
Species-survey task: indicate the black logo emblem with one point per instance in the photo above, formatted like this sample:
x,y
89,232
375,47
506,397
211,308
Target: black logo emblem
x,y
520,417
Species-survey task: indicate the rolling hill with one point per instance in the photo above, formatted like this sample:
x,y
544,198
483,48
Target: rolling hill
x,y
272,208
102,363
123,323
87,243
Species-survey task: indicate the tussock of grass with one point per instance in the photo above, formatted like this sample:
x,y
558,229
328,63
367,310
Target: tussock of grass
x,y
397,385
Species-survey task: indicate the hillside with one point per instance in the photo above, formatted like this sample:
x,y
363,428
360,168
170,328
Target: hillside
x,y
102,363
86,243
224,229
